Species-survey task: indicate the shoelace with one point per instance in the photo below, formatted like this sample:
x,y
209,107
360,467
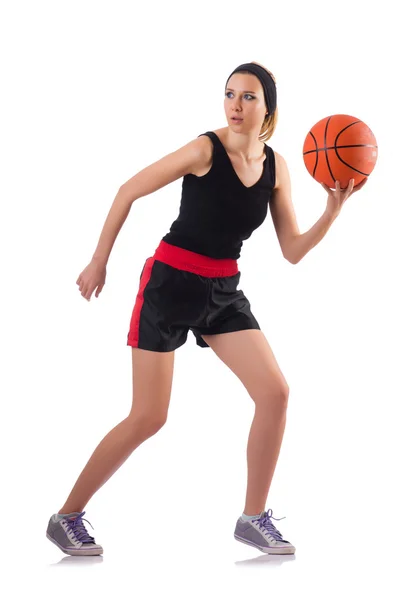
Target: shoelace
x,y
78,529
265,523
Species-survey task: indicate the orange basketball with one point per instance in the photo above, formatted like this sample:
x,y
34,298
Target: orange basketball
x,y
340,147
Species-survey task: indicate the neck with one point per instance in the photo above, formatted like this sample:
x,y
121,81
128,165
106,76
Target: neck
x,y
245,145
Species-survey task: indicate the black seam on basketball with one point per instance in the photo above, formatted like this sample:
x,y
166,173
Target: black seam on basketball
x,y
325,145
315,165
344,129
350,167
338,147
337,154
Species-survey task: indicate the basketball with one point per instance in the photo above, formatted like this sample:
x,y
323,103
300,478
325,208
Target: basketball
x,y
340,148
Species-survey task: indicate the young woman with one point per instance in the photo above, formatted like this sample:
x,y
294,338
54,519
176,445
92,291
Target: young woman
x,y
230,177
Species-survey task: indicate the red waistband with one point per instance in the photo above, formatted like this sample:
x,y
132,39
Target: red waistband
x,y
195,263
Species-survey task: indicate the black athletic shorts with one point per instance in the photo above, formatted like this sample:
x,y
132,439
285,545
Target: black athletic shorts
x,y
180,290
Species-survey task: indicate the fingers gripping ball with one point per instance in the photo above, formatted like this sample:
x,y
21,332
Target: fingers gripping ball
x,y
340,148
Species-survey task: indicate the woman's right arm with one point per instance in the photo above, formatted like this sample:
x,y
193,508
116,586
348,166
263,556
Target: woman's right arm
x,y
157,175
193,156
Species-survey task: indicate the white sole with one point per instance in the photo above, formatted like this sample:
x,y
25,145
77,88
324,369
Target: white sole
x,y
76,552
265,548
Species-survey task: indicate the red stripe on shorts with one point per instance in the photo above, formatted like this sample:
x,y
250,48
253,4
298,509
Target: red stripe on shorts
x,y
133,335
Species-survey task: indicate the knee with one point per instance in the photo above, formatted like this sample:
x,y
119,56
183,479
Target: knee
x,y
155,425
147,425
274,397
284,395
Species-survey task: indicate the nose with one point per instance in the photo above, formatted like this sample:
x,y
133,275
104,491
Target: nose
x,y
236,105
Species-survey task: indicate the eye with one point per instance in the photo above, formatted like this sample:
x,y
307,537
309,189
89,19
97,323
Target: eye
x,y
250,95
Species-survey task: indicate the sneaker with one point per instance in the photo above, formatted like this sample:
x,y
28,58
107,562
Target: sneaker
x,y
68,532
262,534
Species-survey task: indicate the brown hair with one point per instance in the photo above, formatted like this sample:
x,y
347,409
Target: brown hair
x,y
270,122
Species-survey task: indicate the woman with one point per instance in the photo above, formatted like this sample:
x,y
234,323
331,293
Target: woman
x,y
230,176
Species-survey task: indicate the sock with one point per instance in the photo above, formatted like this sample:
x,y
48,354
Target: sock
x,y
249,517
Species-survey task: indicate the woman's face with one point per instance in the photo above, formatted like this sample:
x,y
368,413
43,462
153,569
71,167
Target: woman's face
x,y
244,99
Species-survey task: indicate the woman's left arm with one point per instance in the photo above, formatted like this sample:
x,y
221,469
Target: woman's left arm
x,y
296,245
335,201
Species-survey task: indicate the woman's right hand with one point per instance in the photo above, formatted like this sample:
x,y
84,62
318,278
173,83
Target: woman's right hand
x,y
93,276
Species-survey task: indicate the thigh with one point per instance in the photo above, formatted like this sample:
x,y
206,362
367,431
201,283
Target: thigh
x,y
152,375
248,354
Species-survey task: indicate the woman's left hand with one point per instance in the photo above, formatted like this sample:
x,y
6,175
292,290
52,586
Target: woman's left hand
x,y
337,197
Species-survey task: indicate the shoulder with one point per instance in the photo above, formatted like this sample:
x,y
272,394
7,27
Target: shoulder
x,y
281,169
277,156
200,148
204,143
200,151
207,146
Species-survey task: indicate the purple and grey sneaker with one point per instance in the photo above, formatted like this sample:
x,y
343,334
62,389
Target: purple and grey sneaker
x,y
68,532
262,534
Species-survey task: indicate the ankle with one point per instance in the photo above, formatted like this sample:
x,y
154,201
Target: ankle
x,y
252,512
67,510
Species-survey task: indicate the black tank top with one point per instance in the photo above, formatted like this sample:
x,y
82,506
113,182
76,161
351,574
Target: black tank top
x,y
217,211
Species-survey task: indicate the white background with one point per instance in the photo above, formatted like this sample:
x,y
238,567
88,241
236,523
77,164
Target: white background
x,y
92,93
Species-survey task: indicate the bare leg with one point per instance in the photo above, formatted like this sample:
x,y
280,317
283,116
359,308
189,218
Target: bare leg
x,y
248,354
152,383
109,455
264,443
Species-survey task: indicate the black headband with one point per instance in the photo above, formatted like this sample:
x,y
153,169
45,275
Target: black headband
x,y
269,87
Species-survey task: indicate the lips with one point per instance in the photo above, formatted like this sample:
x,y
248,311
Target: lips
x,y
236,119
